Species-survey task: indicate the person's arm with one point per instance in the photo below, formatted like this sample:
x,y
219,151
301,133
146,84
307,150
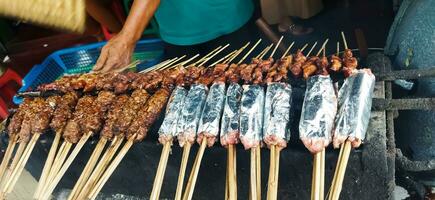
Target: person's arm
x,y
118,51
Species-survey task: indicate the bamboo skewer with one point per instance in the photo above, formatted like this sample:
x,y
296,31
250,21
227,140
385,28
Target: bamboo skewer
x,y
206,56
249,52
48,163
18,154
194,174
258,171
345,149
271,172
213,55
57,164
253,175
180,183
52,185
90,165
101,167
287,50
158,181
232,180
16,173
336,188
99,185
322,175
7,157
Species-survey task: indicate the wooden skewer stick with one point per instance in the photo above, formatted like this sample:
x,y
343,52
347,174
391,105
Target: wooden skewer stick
x,y
322,47
48,163
287,50
194,173
258,170
232,185
187,61
171,63
101,167
344,40
309,52
16,173
223,58
322,175
249,52
338,48
253,175
270,185
15,160
90,165
209,54
276,174
304,47
276,46
227,178
7,156
337,181
237,53
52,185
339,175
94,192
214,54
180,183
235,171
157,65
317,181
334,179
158,180
57,164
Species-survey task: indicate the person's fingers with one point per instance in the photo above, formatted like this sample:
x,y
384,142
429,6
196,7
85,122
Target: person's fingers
x,y
101,61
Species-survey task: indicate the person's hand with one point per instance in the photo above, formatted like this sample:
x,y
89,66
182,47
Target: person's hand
x,y
115,54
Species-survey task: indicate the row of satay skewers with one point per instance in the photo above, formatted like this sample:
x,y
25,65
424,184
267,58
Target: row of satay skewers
x,y
203,103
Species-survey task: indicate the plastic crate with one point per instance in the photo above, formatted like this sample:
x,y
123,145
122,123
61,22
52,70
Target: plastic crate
x,y
81,59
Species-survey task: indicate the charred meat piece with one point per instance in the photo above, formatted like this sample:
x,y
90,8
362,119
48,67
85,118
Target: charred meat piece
x,y
94,118
265,65
206,78
112,116
17,119
123,81
148,114
335,63
246,73
322,66
136,101
309,67
219,69
63,111
73,129
43,113
193,74
233,73
257,75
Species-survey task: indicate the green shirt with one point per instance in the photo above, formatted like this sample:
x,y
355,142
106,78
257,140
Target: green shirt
x,y
189,22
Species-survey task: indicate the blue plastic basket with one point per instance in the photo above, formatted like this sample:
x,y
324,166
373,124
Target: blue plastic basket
x,y
81,59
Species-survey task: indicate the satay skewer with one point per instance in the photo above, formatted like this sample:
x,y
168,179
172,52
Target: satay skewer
x,y
274,156
345,149
232,153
